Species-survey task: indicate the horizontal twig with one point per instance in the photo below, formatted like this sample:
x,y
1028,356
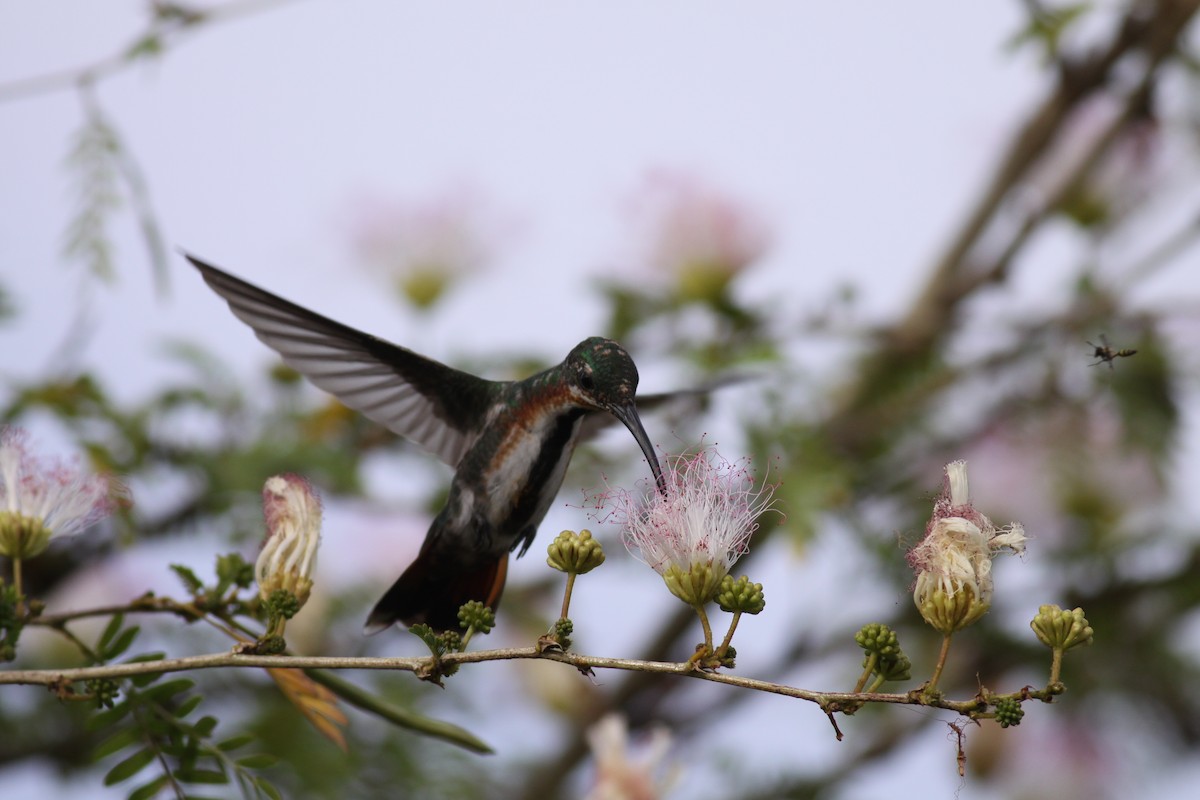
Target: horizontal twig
x,y
829,702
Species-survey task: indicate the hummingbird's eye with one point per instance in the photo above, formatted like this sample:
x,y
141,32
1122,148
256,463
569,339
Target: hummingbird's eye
x,y
586,381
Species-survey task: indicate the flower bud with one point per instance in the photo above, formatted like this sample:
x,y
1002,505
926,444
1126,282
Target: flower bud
x,y
474,614
740,595
881,641
877,638
1061,630
575,553
1009,712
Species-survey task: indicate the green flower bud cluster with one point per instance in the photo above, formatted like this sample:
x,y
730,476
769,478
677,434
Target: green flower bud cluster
x,y
575,553
475,614
451,641
881,641
1009,711
9,618
11,622
562,632
877,638
740,595
1061,630
281,603
105,691
270,645
233,570
729,657
439,644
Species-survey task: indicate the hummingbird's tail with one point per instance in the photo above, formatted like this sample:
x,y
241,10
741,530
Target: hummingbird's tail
x,y
433,588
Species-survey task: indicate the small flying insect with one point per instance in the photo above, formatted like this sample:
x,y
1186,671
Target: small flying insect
x,y
1105,354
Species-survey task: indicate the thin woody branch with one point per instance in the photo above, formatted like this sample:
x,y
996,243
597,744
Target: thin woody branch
x,y
828,701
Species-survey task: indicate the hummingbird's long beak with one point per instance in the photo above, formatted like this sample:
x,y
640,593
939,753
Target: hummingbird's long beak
x,y
629,416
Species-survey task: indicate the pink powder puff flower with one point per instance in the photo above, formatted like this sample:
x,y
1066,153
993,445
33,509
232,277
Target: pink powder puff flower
x,y
697,530
40,500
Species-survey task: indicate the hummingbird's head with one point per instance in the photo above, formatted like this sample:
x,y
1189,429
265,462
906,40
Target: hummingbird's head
x,y
603,376
602,373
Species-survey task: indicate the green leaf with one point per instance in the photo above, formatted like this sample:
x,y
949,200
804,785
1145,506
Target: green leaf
x,y
108,717
148,790
129,767
168,689
258,761
267,788
190,582
208,776
118,741
205,726
110,631
235,742
121,644
189,705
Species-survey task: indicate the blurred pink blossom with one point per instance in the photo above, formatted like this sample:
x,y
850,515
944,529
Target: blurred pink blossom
x,y
695,233
424,247
618,775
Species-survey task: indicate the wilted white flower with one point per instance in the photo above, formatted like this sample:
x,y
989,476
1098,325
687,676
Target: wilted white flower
x,y
953,562
694,532
40,500
289,555
618,776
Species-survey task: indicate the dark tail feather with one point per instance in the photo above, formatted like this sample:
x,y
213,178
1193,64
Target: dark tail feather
x,y
432,589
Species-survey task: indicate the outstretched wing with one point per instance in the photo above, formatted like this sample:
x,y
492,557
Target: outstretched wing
x,y
435,406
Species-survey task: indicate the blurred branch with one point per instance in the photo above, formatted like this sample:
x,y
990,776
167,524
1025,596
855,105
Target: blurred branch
x,y
168,24
954,278
1166,251
101,159
1154,33
867,409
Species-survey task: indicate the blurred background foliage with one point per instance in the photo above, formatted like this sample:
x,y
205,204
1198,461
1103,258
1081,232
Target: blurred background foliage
x,y
1081,449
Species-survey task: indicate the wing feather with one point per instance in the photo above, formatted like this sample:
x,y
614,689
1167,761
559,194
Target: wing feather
x,y
429,403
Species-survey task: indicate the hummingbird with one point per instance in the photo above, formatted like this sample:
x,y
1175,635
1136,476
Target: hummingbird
x,y
509,442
